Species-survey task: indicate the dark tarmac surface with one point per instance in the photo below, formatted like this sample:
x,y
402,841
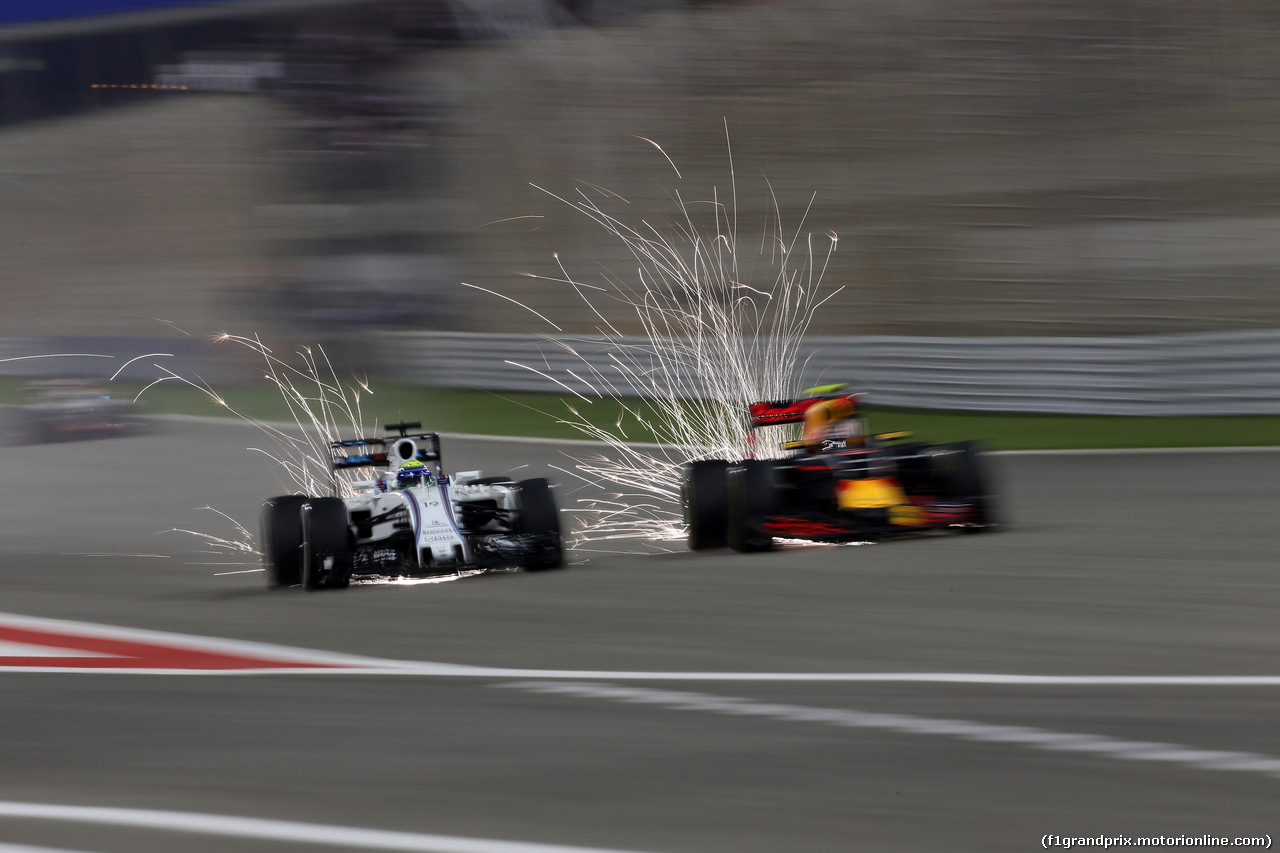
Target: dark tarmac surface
x,y
1112,564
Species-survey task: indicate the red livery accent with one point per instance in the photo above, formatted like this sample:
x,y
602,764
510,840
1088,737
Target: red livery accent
x,y
779,412
948,515
788,526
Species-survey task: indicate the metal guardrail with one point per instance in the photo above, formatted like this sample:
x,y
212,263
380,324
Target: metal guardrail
x,y
1219,373
1234,373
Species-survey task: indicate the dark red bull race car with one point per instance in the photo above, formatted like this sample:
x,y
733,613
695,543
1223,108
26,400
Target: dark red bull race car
x,y
835,483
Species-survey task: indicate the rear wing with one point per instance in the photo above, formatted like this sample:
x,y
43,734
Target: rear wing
x,y
389,452
781,412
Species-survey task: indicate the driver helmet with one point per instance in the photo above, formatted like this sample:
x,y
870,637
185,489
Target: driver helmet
x,y
412,473
831,418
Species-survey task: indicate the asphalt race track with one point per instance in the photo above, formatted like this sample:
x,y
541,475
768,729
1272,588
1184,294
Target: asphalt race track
x,y
890,697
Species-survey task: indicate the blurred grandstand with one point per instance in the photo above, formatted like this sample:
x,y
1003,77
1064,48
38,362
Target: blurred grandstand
x,y
1070,167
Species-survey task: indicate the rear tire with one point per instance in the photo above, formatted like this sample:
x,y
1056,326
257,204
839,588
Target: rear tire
x,y
326,544
539,515
970,480
911,463
703,492
751,497
281,540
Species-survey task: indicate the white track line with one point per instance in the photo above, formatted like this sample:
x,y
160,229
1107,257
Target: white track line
x,y
281,830
1138,451
1009,679
1033,738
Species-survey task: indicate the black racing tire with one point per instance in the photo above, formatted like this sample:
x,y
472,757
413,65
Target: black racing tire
x,y
752,496
538,515
281,540
705,499
970,480
326,544
911,464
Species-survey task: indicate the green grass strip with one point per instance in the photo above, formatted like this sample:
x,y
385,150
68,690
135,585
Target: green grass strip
x,y
540,415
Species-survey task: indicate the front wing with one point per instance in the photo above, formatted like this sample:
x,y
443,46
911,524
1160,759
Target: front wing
x,y
396,556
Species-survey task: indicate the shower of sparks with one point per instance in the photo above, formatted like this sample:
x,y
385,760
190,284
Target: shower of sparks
x,y
713,343
241,546
387,580
324,409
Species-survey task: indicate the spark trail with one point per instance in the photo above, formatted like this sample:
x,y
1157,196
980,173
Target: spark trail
x,y
324,410
715,338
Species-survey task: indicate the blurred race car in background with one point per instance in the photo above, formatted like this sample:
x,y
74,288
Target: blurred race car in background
x,y
412,520
74,410
836,483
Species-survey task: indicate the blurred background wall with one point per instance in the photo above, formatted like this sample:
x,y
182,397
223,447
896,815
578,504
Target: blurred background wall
x,y
992,167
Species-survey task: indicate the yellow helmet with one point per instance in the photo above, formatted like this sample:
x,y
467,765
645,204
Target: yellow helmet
x,y
412,473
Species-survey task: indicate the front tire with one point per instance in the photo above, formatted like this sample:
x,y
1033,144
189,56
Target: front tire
x,y
539,516
281,540
326,544
703,493
751,497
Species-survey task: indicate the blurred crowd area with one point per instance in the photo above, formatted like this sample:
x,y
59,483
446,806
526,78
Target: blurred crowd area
x,y
990,167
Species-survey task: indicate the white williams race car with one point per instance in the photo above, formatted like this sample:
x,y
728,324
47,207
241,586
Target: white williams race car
x,y
412,520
